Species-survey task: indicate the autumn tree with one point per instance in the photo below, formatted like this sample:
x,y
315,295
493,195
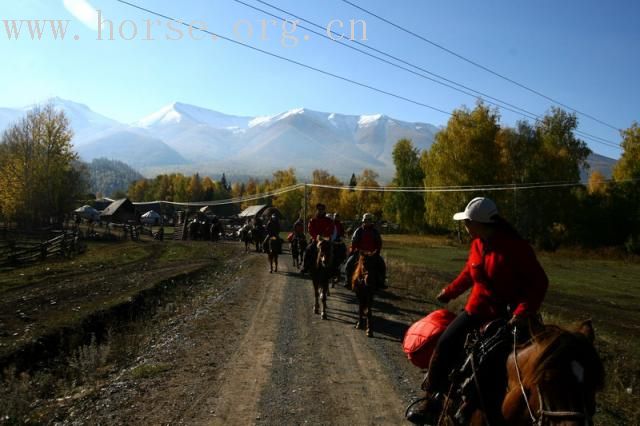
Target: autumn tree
x,y
628,167
327,196
463,153
289,203
40,176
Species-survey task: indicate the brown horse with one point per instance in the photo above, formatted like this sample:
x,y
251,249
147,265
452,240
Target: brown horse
x,y
550,380
554,379
273,247
364,282
320,275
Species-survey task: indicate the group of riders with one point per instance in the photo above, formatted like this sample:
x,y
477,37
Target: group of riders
x,y
504,277
365,240
323,226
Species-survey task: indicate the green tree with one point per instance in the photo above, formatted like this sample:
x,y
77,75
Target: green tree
x,y
40,177
195,191
406,208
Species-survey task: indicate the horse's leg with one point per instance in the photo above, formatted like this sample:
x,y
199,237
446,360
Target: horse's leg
x,y
369,299
325,292
316,305
270,263
360,323
275,259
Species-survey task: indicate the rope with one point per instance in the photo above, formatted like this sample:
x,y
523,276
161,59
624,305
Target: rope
x,y
524,393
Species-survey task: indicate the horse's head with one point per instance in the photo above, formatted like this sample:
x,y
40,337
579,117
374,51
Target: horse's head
x,y
553,380
324,254
361,275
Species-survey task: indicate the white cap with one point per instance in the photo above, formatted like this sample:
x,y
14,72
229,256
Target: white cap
x,y
480,209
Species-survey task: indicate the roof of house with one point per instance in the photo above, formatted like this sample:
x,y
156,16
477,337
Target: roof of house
x,y
115,206
252,211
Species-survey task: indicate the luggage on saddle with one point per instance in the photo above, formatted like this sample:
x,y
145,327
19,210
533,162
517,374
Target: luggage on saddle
x,y
421,338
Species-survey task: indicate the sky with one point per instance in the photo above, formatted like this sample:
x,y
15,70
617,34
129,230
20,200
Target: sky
x,y
583,53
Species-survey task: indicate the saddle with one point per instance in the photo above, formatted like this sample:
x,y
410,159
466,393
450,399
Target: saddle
x,y
483,367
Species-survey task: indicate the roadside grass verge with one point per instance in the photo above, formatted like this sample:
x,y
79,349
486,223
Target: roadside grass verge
x,y
602,286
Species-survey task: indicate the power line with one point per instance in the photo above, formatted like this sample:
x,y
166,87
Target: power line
x,y
302,64
498,102
476,64
407,189
227,201
321,71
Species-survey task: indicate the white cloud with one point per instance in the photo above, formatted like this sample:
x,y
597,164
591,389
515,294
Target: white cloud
x,y
84,12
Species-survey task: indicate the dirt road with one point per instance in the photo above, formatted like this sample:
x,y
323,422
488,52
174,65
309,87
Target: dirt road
x,y
249,350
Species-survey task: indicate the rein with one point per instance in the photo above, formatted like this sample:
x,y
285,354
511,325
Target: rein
x,y
542,413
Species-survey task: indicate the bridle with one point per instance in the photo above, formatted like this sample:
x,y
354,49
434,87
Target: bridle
x,y
544,414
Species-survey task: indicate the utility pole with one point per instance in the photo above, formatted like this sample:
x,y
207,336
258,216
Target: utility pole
x,y
304,209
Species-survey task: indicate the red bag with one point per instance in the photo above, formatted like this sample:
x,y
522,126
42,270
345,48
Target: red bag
x,y
421,338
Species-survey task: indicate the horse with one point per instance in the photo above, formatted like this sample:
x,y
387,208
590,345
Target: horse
x,y
298,244
320,275
339,257
257,236
364,282
273,249
245,237
552,379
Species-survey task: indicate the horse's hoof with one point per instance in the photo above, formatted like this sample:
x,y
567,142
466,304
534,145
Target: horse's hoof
x,y
324,316
369,333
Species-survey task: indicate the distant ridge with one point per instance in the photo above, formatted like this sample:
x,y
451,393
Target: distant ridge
x,y
188,138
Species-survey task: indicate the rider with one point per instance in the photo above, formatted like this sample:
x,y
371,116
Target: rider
x,y
320,226
272,228
366,238
505,280
298,227
338,229
339,248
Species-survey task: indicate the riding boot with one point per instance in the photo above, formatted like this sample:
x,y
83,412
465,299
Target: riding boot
x,y
427,411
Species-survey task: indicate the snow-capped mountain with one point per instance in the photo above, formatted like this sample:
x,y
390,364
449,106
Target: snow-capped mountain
x,y
188,138
179,113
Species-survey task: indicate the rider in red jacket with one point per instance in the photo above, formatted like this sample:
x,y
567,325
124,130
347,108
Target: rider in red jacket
x,y
320,225
506,280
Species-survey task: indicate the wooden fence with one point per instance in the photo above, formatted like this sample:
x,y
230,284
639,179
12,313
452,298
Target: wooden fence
x,y
14,252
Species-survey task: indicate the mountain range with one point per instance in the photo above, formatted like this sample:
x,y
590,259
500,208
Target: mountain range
x,y
188,138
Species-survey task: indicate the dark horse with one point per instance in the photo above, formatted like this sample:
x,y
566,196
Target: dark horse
x,y
552,379
257,236
273,247
245,237
298,245
364,282
321,271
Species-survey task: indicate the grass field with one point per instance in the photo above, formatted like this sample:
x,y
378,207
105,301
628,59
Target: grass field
x,y
582,285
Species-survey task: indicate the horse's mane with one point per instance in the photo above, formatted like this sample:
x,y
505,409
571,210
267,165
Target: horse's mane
x,y
554,350
360,269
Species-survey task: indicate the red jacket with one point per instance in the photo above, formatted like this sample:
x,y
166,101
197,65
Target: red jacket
x,y
507,274
366,238
322,226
